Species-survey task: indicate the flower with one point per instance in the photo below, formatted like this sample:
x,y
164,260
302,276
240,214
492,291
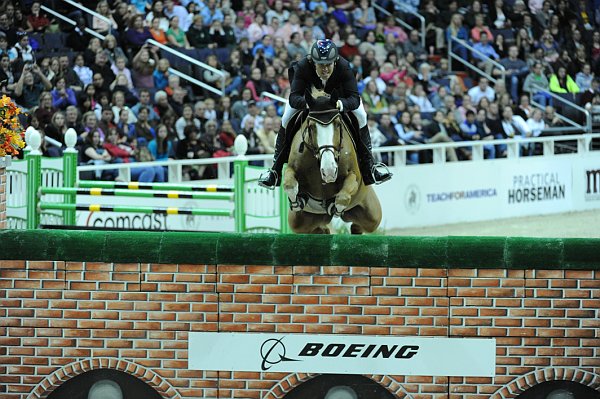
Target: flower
x,y
11,129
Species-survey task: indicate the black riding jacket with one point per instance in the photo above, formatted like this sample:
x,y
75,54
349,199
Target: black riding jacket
x,y
303,75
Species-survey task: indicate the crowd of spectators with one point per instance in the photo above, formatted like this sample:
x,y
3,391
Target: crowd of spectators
x,y
125,105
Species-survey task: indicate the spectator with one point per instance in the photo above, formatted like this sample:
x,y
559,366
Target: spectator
x,y
143,67
296,51
436,132
218,37
36,20
516,69
118,101
176,35
72,119
584,78
30,86
172,10
482,90
78,39
62,96
6,72
197,34
456,30
105,24
22,52
92,153
158,33
484,49
536,84
480,28
536,123
500,46
158,14
145,101
211,12
187,119
56,128
143,128
562,83
137,34
161,147
377,104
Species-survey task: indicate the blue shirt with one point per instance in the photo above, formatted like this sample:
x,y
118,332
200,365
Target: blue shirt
x,y
488,50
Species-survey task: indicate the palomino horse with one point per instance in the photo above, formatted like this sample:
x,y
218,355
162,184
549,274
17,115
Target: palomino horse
x,y
323,178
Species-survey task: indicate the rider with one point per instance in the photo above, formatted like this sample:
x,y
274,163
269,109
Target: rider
x,y
324,69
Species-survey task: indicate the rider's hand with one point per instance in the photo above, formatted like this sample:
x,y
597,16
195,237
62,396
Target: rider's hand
x,y
339,105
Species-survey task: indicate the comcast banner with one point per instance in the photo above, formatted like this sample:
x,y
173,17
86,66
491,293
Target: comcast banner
x,y
342,354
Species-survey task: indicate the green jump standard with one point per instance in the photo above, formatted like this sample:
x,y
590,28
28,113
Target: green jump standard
x,y
304,250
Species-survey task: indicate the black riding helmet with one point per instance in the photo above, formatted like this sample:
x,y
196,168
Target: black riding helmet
x,y
324,52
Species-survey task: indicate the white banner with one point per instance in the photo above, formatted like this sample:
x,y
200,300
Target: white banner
x,y
342,354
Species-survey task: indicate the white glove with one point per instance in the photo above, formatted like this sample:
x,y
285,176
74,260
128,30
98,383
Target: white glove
x,y
339,105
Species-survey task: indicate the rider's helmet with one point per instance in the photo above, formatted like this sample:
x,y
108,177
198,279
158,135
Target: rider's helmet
x,y
324,52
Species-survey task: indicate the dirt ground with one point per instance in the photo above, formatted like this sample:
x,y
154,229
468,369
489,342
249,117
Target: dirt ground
x,y
575,224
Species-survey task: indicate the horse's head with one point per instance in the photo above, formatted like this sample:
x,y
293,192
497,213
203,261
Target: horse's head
x,y
320,134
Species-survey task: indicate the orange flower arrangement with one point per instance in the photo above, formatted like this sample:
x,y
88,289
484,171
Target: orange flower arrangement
x,y
11,130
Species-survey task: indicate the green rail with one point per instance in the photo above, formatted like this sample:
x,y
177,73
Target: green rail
x,y
136,209
137,193
153,186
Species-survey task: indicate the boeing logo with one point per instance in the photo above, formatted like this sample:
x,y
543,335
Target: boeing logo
x,y
272,352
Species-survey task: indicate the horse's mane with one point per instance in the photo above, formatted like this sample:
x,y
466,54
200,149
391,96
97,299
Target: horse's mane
x,y
316,93
321,100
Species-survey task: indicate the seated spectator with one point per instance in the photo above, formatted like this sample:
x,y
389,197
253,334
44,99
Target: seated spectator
x,y
36,20
145,101
30,86
118,102
112,50
584,79
458,31
267,135
137,34
22,52
161,74
86,99
536,123
536,84
418,97
436,132
57,127
161,147
142,128
158,33
187,119
6,72
171,10
162,107
93,153
482,90
133,152
484,49
501,46
62,96
524,108
99,24
119,68
106,121
72,119
480,28
197,34
370,96
516,69
125,128
562,83
158,14
176,35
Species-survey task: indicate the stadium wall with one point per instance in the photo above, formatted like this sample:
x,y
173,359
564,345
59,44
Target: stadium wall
x,y
76,301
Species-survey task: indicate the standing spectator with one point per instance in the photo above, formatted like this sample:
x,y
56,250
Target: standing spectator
x,y
101,25
143,67
456,30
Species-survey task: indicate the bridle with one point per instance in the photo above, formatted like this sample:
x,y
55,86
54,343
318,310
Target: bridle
x,y
325,117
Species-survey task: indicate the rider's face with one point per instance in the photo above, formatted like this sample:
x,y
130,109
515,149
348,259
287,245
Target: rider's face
x,y
324,71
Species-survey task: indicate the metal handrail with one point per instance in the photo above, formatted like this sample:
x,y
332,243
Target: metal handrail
x,y
453,55
588,116
404,24
191,60
195,81
273,96
89,11
70,21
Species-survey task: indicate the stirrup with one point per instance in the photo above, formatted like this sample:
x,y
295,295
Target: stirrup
x,y
387,175
264,177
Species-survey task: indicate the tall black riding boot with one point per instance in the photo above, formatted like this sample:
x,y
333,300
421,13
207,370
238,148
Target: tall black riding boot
x,y
371,173
272,177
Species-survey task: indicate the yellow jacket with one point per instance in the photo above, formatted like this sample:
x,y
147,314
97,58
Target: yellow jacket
x,y
555,87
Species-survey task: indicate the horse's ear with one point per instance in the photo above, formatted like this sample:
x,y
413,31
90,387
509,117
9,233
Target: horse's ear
x,y
309,99
334,98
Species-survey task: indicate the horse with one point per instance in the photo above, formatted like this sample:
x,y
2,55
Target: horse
x,y
323,179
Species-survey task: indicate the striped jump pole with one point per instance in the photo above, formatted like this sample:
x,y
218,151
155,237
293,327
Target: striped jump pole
x,y
153,186
135,209
138,193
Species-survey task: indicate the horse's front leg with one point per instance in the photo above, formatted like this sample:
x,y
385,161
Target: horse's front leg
x,y
290,184
344,196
